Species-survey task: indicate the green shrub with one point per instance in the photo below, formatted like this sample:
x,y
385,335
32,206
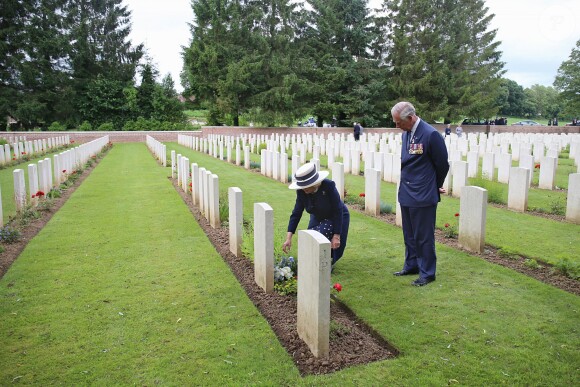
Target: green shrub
x,y
106,127
569,269
386,208
56,127
531,263
85,126
9,234
557,207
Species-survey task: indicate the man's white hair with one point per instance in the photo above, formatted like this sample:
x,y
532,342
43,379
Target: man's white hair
x,y
405,110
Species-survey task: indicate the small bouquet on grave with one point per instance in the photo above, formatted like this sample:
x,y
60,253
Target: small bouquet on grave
x,y
285,276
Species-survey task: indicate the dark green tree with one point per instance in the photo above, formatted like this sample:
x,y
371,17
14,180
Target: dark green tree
x,y
515,101
442,56
275,90
568,82
336,39
211,50
166,106
99,31
12,39
146,90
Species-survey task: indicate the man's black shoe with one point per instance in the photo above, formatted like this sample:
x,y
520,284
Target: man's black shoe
x,y
422,281
406,272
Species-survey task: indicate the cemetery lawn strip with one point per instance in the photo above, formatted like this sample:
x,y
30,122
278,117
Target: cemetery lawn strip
x,y
13,250
352,341
478,324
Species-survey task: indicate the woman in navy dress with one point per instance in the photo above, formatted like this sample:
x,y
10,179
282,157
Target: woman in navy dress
x,y
328,215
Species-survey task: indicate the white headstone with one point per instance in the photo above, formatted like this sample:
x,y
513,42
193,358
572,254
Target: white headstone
x,y
19,189
338,178
235,219
214,201
264,246
313,311
504,167
472,218
573,202
459,179
518,189
548,173
372,191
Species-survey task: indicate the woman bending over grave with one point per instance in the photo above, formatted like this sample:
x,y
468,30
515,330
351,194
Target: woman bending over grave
x,y
328,215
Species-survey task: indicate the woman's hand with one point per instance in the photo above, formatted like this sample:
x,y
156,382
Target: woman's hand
x,y
335,242
288,244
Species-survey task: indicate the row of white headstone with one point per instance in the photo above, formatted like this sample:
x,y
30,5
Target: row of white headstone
x,y
313,323
22,148
158,149
204,186
49,173
274,164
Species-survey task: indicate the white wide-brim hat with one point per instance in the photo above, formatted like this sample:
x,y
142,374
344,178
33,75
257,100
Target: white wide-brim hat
x,y
307,176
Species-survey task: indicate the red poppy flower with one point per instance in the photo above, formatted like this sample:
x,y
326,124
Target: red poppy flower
x,y
362,195
456,214
537,166
447,225
40,193
337,287
23,153
33,196
64,171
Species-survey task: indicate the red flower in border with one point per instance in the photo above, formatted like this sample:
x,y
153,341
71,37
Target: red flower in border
x,y
39,194
456,214
362,195
537,166
447,225
337,287
64,171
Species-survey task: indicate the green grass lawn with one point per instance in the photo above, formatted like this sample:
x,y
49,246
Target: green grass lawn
x,y
122,287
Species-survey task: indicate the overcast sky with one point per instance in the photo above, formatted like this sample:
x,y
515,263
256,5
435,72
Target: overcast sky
x,y
536,35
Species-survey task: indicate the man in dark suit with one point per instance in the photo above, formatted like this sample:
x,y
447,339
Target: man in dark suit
x,y
424,165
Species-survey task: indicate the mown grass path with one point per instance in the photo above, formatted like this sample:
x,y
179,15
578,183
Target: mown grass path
x,y
122,287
